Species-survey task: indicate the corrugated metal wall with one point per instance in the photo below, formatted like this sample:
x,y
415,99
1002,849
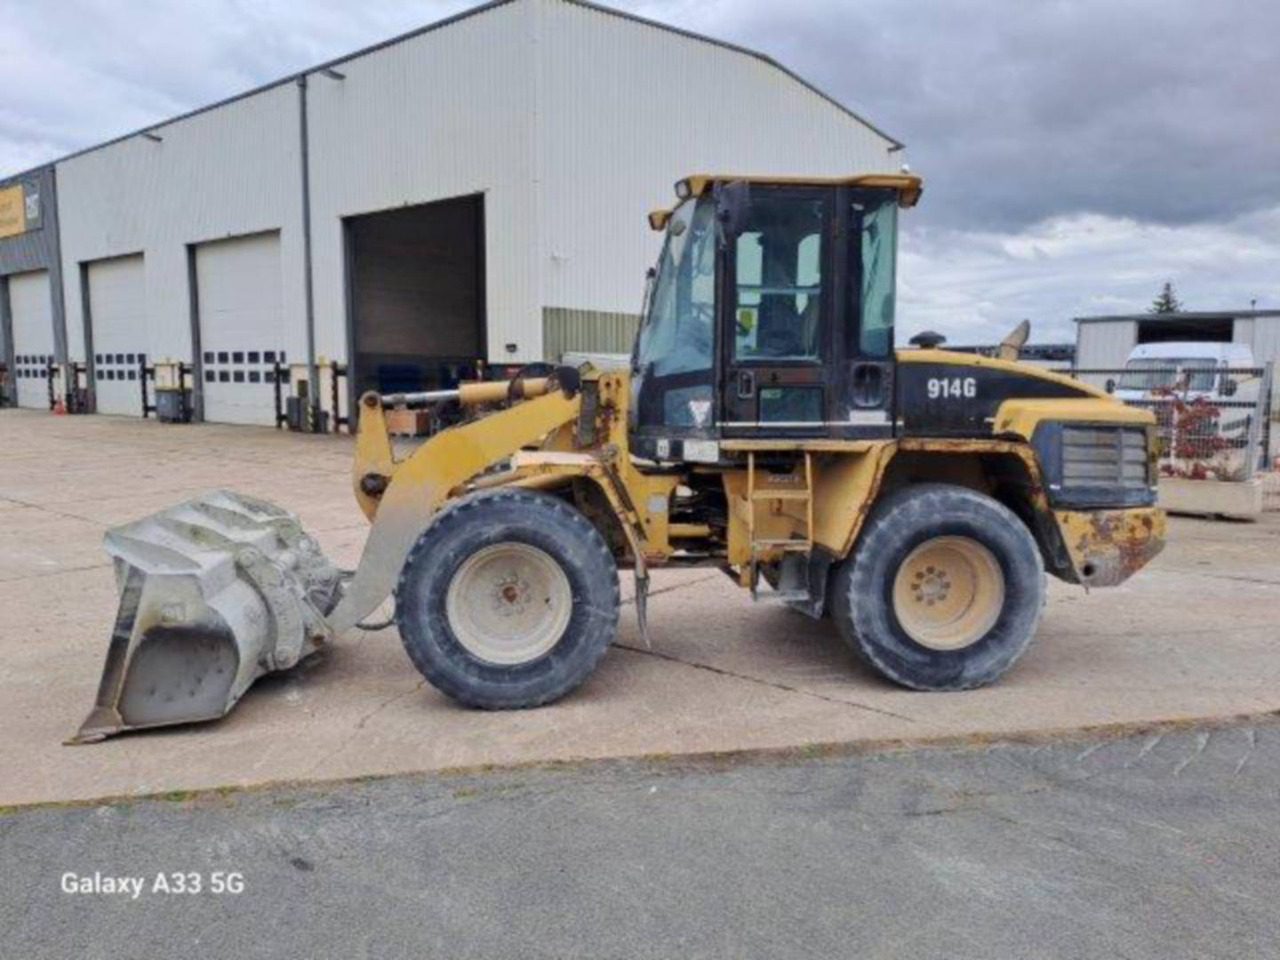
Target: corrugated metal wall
x,y
445,114
1104,346
625,109
1262,334
37,249
225,172
586,331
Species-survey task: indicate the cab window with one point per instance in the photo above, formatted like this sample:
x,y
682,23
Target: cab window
x,y
879,264
778,258
679,331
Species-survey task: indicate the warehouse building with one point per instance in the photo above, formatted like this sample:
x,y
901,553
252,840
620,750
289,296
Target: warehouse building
x,y
1104,343
473,191
32,324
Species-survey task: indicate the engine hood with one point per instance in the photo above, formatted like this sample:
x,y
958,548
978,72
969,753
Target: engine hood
x,y
943,393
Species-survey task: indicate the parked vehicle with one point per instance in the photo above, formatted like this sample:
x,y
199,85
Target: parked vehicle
x,y
1204,395
1195,369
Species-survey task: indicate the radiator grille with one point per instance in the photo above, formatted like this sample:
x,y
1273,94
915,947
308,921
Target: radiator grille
x,y
1113,457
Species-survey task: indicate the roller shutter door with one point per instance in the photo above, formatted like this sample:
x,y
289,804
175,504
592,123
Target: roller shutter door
x,y
239,298
32,336
118,314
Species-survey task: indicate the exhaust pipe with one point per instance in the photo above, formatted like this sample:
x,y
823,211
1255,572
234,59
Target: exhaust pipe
x,y
214,593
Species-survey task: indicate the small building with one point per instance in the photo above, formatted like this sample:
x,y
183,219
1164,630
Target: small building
x,y
472,192
1104,343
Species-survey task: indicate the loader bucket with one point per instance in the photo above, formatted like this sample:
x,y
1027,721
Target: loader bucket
x,y
214,593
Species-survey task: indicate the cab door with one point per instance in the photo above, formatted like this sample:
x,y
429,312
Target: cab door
x,y
864,407
776,316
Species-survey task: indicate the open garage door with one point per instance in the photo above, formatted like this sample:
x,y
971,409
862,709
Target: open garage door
x,y
239,302
118,324
416,282
32,310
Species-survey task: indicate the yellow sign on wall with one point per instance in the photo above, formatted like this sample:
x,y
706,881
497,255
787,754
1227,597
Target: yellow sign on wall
x,y
13,214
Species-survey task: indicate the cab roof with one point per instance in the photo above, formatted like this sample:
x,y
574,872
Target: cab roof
x,y
908,185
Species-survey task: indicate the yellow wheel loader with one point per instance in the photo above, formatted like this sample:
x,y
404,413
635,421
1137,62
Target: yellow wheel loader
x,y
767,427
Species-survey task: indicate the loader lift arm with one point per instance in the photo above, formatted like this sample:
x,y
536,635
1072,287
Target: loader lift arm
x,y
419,485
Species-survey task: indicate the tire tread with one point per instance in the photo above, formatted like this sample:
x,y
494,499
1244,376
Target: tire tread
x,y
855,586
459,512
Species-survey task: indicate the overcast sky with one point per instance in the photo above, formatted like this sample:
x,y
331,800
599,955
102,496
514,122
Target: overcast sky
x,y
1077,153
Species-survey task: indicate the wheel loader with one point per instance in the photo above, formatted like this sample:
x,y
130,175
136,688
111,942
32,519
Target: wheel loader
x,y
766,427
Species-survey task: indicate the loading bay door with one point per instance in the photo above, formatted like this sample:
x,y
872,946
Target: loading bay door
x,y
239,305
118,323
416,309
32,310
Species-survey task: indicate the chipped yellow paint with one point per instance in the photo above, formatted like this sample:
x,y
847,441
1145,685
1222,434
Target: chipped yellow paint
x,y
374,456
845,489
1107,547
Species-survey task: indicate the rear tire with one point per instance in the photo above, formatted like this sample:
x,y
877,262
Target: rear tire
x,y
944,589
508,599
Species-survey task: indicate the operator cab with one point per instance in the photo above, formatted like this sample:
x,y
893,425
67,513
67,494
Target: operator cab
x,y
769,314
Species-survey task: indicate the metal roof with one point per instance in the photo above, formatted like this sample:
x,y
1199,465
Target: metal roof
x,y
447,21
1184,315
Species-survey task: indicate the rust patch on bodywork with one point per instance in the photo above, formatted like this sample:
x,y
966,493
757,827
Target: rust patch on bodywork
x,y
1107,547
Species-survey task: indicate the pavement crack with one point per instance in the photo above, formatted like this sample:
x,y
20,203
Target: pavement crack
x,y
387,702
1151,744
360,725
1251,736
1202,740
1090,751
1228,576
53,573
672,588
785,688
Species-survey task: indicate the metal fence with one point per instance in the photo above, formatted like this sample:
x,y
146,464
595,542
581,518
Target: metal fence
x,y
1212,423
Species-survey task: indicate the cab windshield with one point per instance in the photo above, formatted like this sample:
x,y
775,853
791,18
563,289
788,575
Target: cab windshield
x,y
1183,372
678,335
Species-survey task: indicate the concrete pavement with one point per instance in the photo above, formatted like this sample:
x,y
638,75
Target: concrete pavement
x,y
1193,637
1156,847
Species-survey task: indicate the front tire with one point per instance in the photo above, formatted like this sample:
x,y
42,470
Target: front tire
x,y
508,599
944,589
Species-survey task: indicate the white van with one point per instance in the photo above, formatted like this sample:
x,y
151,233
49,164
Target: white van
x,y
1194,368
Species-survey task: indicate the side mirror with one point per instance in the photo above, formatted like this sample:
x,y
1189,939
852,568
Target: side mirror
x,y
1229,387
733,200
1111,386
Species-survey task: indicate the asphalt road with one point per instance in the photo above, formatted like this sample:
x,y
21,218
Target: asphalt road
x,y
1161,845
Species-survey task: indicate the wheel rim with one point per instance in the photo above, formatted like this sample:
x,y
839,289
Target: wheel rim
x,y
509,603
948,593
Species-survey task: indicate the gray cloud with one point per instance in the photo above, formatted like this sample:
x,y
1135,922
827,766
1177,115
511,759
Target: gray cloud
x,y
78,72
975,285
1016,111
1076,152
